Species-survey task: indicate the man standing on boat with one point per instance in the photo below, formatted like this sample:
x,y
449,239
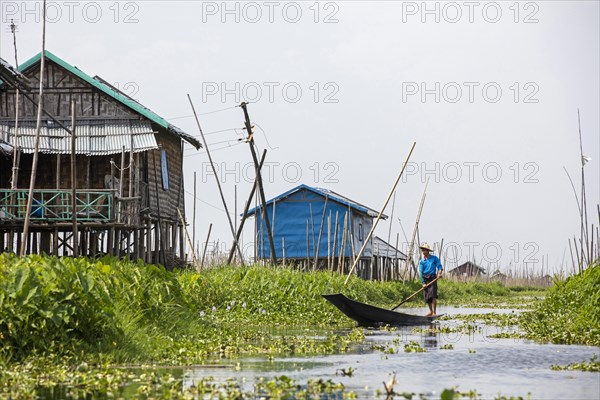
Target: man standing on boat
x,y
431,269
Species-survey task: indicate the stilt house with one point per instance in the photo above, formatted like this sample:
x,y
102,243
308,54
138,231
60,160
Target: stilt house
x,y
316,228
128,167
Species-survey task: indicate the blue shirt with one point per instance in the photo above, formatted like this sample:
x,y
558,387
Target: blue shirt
x,y
429,266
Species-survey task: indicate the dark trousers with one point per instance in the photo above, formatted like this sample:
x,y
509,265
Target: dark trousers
x,y
430,291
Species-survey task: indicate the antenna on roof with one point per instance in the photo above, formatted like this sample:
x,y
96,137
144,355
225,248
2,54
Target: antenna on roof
x,y
14,29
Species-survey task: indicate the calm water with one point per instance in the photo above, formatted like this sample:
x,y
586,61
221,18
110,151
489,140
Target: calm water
x,y
492,367
510,367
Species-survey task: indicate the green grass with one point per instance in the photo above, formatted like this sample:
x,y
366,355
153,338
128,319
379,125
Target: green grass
x,y
110,310
65,323
570,313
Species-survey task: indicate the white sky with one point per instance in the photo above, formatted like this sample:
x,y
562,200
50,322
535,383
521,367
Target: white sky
x,y
362,75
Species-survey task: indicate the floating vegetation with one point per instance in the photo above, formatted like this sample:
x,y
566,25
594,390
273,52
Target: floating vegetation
x,y
414,347
447,346
54,310
570,312
590,366
346,371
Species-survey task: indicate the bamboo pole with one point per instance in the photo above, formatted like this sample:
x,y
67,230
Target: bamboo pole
x,y
37,137
362,250
190,243
261,191
159,235
205,246
307,247
416,228
235,214
343,249
283,248
217,179
194,213
121,183
396,263
245,215
16,153
320,233
74,180
335,246
390,227
329,240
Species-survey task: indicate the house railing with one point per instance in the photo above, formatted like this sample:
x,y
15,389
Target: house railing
x,y
56,205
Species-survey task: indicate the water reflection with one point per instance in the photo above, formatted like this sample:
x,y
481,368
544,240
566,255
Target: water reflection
x,y
430,338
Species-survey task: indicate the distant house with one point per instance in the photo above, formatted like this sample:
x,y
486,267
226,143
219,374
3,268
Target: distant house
x,y
313,224
467,269
499,276
129,164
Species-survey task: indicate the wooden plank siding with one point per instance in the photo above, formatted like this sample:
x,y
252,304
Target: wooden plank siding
x,y
172,198
136,237
60,87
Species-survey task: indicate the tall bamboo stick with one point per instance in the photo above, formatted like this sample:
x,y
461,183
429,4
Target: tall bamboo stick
x,y
362,250
37,137
416,228
218,181
320,233
74,181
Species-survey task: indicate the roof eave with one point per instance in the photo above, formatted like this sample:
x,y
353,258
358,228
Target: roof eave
x,y
120,97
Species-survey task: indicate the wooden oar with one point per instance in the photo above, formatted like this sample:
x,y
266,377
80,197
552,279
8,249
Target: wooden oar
x,y
415,293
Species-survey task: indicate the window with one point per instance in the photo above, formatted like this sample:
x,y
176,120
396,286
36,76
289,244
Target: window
x,y
165,169
360,233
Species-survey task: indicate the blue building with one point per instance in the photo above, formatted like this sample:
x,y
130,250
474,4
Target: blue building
x,y
318,228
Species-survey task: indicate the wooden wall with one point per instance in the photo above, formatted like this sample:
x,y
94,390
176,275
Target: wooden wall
x,y
172,198
60,86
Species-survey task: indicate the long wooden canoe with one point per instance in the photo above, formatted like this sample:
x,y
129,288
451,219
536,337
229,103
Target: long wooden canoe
x,y
368,315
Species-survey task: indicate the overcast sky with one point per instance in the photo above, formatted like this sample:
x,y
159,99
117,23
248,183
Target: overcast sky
x,y
340,90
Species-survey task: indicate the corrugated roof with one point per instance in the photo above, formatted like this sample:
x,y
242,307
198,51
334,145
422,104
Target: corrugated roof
x,y
115,94
333,196
93,137
10,74
381,248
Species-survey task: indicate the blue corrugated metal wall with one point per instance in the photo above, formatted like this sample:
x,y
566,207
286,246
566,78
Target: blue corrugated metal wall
x,y
291,216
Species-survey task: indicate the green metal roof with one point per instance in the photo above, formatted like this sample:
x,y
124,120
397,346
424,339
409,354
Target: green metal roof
x,y
115,94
